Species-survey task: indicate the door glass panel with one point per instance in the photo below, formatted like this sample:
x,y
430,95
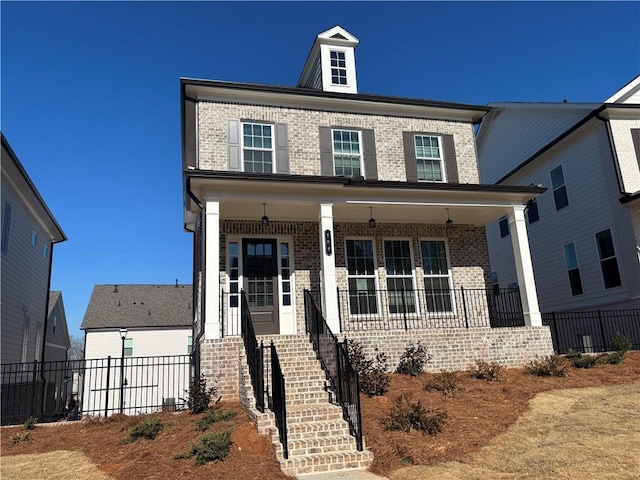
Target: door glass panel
x,y
260,274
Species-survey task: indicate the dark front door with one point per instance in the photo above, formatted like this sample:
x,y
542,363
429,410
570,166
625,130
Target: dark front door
x,y
260,273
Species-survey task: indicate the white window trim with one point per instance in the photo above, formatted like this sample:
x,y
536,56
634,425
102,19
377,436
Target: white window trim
x,y
26,331
273,143
361,155
449,276
376,282
413,276
600,260
441,159
34,238
575,251
345,68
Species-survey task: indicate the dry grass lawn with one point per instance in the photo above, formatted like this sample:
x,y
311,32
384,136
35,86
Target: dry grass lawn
x,y
58,465
591,433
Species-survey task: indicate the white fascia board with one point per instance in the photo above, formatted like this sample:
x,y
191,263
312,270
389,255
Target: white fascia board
x,y
625,92
544,106
616,112
327,35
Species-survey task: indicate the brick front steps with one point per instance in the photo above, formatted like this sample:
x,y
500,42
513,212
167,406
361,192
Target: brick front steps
x,y
318,437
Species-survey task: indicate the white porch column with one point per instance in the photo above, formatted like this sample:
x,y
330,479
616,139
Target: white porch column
x,y
212,268
328,264
524,267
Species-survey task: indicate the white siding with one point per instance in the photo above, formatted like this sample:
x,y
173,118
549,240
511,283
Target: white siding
x,y
628,162
516,134
593,206
25,278
146,342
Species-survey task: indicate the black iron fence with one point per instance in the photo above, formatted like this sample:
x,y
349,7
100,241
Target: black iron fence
x,y
97,387
254,352
334,359
277,399
419,309
592,331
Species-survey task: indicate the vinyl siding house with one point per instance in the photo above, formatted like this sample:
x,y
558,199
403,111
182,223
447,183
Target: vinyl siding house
x,y
56,344
29,232
370,205
584,230
141,328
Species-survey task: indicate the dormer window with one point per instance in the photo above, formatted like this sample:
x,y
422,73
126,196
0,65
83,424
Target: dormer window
x,y
338,68
347,154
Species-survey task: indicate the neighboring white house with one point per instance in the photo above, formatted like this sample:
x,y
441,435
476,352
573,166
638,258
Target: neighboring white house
x,y
29,232
584,231
147,325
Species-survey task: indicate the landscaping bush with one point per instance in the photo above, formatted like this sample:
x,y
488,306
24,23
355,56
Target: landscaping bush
x,y
413,360
446,383
148,428
214,415
620,343
372,374
613,358
584,361
483,370
199,396
549,366
212,447
21,437
30,423
406,415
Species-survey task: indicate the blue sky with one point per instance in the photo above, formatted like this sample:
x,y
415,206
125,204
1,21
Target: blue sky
x,y
90,95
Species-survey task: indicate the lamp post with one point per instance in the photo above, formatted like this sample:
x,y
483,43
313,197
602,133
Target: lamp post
x,y
123,336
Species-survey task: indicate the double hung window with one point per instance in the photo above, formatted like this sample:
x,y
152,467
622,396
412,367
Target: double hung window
x,y
257,147
608,261
399,267
559,188
437,278
429,158
361,277
571,260
338,68
6,227
347,154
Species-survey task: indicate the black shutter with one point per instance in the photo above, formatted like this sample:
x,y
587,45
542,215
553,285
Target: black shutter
x,y
369,150
635,135
326,152
450,162
410,162
282,149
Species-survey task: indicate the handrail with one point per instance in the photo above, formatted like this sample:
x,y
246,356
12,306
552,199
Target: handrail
x,y
278,404
335,361
255,354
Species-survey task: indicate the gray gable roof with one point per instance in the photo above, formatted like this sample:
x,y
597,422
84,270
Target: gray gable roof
x,y
116,306
53,298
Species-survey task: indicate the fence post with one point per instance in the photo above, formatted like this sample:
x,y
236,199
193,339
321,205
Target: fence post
x,y
222,313
33,388
339,365
555,330
106,396
464,307
604,340
339,310
404,309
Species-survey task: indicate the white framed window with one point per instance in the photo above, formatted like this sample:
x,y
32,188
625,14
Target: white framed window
x,y
400,279
189,344
429,158
573,270
285,272
437,276
361,276
608,260
559,188
34,238
338,67
257,147
128,347
347,153
26,328
6,227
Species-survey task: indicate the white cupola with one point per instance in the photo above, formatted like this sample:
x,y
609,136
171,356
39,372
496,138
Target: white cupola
x,y
331,64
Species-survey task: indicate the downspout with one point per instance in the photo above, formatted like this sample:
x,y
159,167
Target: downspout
x,y
194,295
614,155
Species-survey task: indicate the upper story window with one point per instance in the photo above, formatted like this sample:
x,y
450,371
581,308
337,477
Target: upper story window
x,y
504,227
347,154
34,238
257,147
6,227
532,211
608,261
559,188
571,260
338,68
429,158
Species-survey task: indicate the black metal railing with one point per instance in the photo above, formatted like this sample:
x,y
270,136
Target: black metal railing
x,y
592,331
419,309
230,320
334,359
94,387
277,399
254,352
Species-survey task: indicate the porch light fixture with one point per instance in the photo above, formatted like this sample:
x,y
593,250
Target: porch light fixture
x,y
372,221
264,219
448,225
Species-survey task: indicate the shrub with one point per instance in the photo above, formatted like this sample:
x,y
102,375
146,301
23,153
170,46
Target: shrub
x,y
413,359
21,437
584,361
372,374
30,423
214,415
212,447
446,383
550,366
199,396
148,428
483,370
405,415
620,343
